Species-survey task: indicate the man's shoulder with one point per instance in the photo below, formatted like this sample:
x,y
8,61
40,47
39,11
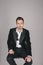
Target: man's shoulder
x,y
26,29
11,29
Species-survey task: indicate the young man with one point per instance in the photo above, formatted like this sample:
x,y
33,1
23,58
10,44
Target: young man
x,y
19,45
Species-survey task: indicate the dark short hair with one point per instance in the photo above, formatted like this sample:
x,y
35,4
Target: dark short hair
x,y
19,18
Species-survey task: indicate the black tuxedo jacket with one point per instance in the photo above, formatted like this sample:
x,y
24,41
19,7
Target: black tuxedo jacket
x,y
24,40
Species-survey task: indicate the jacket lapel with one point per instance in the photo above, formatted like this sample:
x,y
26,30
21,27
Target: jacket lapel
x,y
15,35
21,37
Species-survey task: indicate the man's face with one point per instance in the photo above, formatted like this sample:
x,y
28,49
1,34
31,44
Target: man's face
x,y
20,24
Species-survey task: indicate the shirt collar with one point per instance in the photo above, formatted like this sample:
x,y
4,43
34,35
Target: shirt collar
x,y
18,31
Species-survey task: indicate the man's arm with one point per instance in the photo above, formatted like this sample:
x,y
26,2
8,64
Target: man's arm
x,y
28,58
28,44
10,41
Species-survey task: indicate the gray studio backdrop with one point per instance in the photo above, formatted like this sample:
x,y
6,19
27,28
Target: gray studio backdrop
x,y
32,12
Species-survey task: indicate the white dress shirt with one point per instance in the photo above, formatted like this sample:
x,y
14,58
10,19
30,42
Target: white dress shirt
x,y
18,41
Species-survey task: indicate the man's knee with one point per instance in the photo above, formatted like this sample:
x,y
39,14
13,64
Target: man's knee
x,y
9,58
27,63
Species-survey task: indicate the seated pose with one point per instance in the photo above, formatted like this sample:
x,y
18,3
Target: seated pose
x,y
19,45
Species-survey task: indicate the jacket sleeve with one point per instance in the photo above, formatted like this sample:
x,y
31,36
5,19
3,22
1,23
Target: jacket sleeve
x,y
28,43
10,40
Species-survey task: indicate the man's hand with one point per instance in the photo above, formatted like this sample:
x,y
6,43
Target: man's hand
x,y
28,58
11,51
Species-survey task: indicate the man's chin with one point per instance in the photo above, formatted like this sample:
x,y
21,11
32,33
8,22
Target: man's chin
x,y
20,28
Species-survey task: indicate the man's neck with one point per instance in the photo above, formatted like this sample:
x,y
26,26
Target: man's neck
x,y
19,30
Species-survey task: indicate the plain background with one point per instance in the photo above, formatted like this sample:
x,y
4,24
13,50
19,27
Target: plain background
x,y
32,12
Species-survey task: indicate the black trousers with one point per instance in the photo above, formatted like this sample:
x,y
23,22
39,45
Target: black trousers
x,y
19,53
